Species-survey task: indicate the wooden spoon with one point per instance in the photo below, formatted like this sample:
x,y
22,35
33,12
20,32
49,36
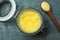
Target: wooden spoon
x,y
45,6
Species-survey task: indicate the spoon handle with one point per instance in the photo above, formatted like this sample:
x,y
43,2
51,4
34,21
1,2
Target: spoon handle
x,y
54,20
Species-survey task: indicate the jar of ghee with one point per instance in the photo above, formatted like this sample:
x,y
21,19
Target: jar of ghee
x,y
30,21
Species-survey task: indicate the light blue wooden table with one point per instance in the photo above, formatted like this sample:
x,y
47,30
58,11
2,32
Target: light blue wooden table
x,y
10,31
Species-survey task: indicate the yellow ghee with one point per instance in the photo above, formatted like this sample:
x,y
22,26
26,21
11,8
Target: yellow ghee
x,y
45,6
29,21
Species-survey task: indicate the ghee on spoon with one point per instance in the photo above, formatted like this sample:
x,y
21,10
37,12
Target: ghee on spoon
x,y
47,9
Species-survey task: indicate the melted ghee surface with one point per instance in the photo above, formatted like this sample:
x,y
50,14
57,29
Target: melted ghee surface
x,y
29,20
